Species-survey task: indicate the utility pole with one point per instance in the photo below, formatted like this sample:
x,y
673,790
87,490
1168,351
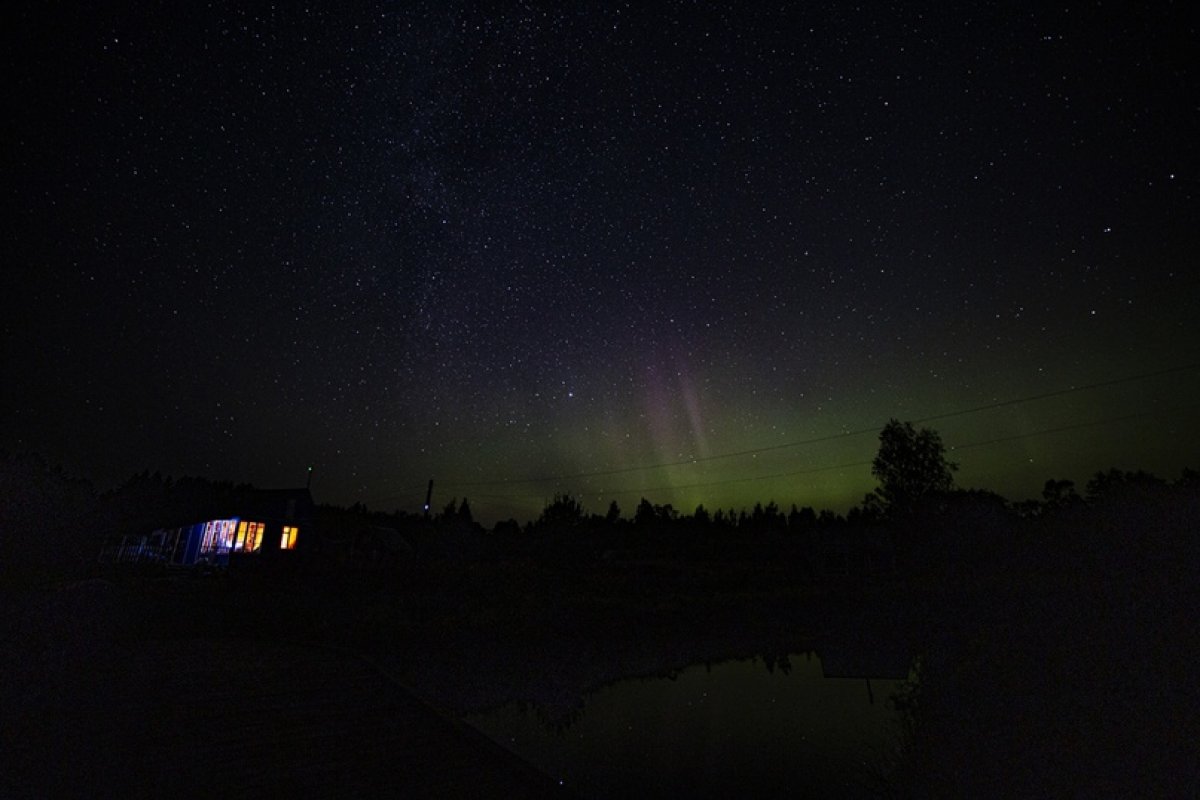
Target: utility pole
x,y
308,483
428,497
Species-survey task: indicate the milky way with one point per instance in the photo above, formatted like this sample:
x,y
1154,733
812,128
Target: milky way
x,y
608,250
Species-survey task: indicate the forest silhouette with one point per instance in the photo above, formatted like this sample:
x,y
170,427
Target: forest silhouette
x,y
54,524
1052,625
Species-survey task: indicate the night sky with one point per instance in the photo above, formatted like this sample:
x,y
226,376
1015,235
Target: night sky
x,y
686,252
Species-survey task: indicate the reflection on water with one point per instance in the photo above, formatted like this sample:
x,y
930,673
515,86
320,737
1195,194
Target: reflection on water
x,y
752,728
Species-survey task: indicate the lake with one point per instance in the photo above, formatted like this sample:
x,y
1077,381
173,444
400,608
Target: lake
x,y
752,728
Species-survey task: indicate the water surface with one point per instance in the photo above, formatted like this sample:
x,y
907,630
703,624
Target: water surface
x,y
751,728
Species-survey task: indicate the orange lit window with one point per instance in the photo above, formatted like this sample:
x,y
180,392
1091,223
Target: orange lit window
x,y
241,535
288,542
254,534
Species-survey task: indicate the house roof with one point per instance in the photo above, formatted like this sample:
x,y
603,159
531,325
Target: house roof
x,y
284,504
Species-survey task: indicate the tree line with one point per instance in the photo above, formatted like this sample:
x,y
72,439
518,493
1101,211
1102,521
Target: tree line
x,y
50,521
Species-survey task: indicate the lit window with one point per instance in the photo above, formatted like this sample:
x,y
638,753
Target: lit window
x,y
228,528
254,534
241,535
218,535
208,543
288,542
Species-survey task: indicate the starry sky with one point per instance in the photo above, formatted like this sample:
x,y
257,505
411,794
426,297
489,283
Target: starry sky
x,y
695,252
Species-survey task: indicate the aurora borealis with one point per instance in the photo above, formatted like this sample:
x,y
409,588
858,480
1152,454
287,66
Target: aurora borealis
x,y
612,250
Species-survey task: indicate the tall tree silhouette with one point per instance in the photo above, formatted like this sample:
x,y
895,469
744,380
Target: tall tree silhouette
x,y
564,513
911,465
464,514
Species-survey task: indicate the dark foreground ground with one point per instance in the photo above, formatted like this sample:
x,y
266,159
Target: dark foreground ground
x,y
95,712
1067,676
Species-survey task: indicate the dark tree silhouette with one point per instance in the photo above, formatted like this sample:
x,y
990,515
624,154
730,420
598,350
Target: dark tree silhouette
x,y
464,513
802,520
564,513
911,465
47,520
1118,484
644,516
1059,494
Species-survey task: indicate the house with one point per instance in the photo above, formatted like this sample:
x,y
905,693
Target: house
x,y
266,524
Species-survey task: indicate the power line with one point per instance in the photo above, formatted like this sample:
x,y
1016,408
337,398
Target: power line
x,y
827,438
1076,426
813,470
1058,393
831,468
622,470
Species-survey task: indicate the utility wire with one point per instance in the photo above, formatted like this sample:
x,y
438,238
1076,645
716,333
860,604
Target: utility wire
x,y
1077,426
814,470
1058,393
828,438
